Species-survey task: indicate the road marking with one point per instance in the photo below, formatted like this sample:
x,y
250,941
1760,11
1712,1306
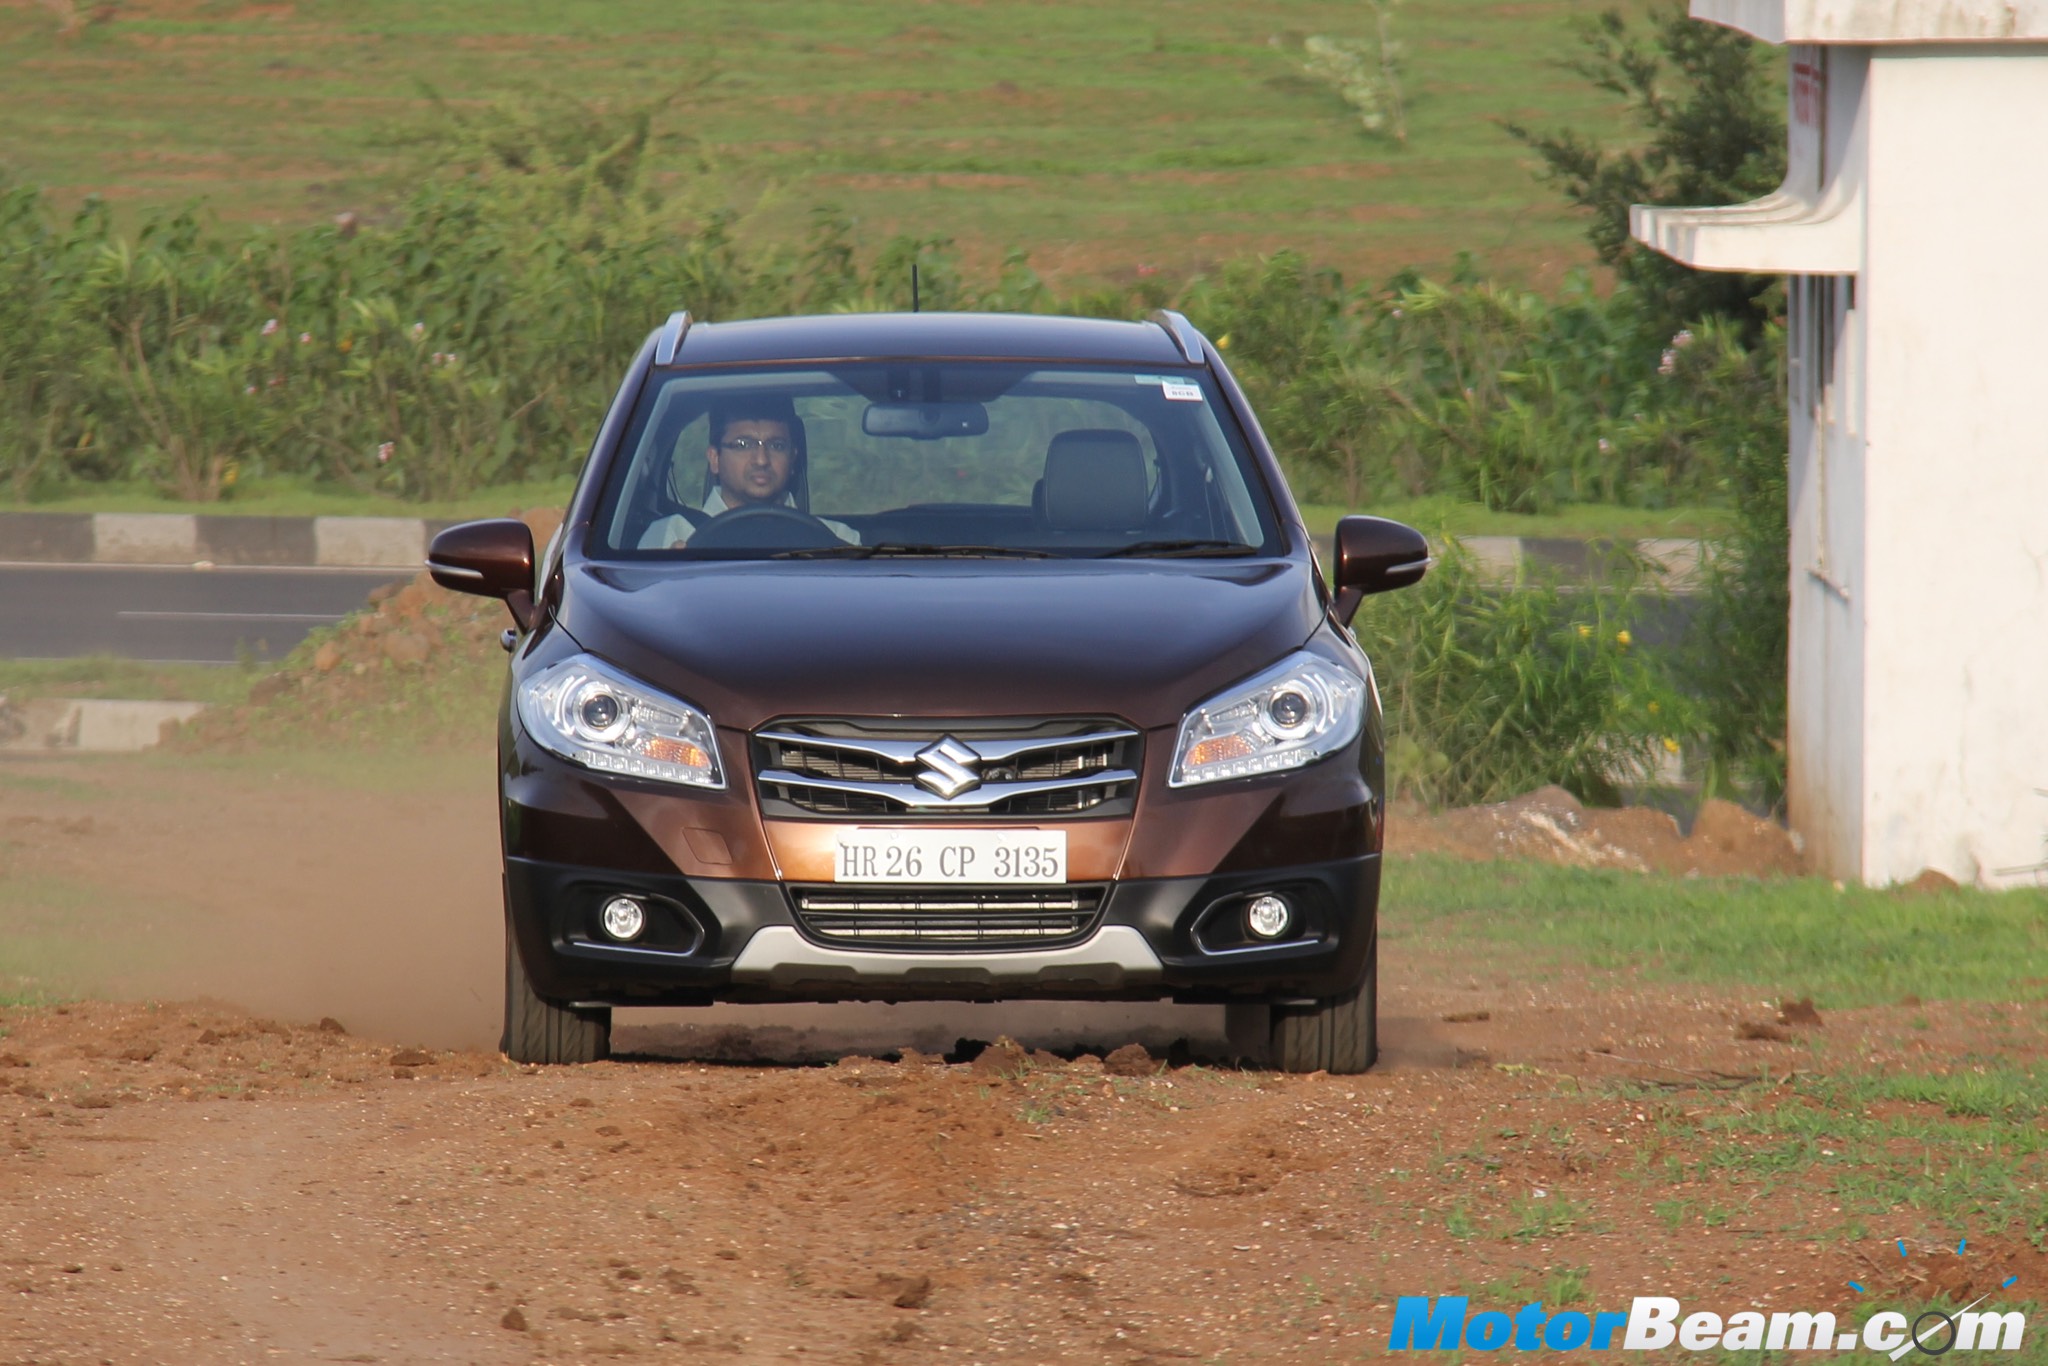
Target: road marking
x,y
236,616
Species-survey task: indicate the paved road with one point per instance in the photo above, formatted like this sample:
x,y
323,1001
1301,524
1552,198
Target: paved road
x,y
172,613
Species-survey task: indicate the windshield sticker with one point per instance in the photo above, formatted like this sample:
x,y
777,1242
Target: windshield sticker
x,y
1179,390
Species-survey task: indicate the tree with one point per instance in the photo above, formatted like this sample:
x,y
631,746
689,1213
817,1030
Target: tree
x,y
1706,100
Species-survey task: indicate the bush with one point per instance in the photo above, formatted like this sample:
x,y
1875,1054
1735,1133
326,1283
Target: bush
x,y
1491,689
1468,389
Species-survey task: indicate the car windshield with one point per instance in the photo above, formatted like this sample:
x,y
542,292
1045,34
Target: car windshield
x,y
951,458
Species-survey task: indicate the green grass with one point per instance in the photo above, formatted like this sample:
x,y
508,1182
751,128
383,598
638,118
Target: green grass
x,y
63,936
288,497
105,676
1974,1173
1797,937
1102,138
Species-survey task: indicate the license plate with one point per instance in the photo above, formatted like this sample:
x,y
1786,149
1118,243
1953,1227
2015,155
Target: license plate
x,y
950,856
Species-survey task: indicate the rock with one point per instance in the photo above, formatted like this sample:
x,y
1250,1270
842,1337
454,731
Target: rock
x,y
1930,882
905,1292
327,656
1799,1012
1726,839
411,1057
1130,1061
267,688
1003,1058
406,649
1768,1033
329,1025
514,1320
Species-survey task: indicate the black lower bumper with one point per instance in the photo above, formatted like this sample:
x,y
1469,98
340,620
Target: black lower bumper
x,y
713,940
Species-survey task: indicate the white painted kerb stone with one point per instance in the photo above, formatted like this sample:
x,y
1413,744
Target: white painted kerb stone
x,y
145,538
400,542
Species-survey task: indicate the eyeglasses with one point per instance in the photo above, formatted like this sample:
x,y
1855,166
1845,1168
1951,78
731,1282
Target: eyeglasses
x,y
747,445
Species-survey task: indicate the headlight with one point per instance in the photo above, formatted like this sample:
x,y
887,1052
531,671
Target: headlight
x,y
589,714
1293,714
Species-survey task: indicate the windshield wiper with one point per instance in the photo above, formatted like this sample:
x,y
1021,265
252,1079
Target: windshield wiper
x,y
1180,549
895,548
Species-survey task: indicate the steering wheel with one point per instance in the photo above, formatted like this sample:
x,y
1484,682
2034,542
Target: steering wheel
x,y
763,526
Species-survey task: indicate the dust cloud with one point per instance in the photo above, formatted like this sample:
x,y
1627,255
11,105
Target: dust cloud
x,y
376,902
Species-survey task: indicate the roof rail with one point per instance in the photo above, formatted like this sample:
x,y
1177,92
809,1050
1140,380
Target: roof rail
x,y
1182,331
671,340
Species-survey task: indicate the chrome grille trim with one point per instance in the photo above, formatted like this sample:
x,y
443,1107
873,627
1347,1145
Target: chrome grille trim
x,y
897,768
937,917
976,799
992,750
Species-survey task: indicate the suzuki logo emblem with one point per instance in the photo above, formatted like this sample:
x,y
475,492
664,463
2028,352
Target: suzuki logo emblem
x,y
948,770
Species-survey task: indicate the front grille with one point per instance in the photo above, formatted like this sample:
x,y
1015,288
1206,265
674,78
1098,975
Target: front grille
x,y
1069,767
948,917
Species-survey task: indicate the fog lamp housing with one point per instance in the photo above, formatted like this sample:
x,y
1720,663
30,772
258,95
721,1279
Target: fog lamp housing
x,y
1268,917
623,919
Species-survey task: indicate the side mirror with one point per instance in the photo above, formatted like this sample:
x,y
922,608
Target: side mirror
x,y
1375,555
492,559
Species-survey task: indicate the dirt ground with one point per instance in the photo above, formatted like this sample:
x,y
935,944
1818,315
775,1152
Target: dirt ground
x,y
274,1131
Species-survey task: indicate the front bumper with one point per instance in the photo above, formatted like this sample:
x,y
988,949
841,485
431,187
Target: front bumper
x,y
715,939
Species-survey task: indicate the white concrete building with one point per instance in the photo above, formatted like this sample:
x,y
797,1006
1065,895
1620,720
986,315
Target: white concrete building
x,y
1913,223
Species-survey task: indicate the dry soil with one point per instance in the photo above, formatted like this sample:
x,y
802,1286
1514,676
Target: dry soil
x,y
275,1132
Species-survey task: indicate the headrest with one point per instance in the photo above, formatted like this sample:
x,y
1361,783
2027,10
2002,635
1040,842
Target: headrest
x,y
1095,481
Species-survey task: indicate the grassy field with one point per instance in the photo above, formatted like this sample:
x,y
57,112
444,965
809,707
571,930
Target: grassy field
x,y
1105,140
1842,946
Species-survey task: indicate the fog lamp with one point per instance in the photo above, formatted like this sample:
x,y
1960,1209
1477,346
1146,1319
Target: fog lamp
x,y
623,919
1268,917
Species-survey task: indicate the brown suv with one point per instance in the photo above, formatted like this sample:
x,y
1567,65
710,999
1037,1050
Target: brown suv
x,y
937,656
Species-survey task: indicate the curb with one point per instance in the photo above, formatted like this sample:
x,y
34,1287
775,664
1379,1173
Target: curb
x,y
401,543
184,538
1674,563
87,726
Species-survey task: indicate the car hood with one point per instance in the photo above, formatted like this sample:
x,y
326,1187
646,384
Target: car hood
x,y
751,641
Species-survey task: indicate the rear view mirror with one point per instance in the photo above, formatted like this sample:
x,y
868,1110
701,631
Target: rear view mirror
x,y
1373,556
493,559
924,421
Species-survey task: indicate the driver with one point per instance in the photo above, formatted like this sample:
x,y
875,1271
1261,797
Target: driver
x,y
755,459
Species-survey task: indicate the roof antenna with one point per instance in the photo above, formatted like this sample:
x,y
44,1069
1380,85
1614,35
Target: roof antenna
x,y
913,287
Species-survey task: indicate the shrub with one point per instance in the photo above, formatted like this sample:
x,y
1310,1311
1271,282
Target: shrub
x,y
1491,689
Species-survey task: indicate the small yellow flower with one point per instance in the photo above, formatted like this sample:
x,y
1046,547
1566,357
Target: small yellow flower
x,y
230,474
1623,639
346,344
1223,342
1585,633
1654,709
1670,745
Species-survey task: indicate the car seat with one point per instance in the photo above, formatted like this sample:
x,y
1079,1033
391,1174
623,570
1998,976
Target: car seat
x,y
1094,481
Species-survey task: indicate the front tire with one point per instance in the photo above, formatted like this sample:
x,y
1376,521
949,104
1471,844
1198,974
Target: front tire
x,y
538,1031
1339,1034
